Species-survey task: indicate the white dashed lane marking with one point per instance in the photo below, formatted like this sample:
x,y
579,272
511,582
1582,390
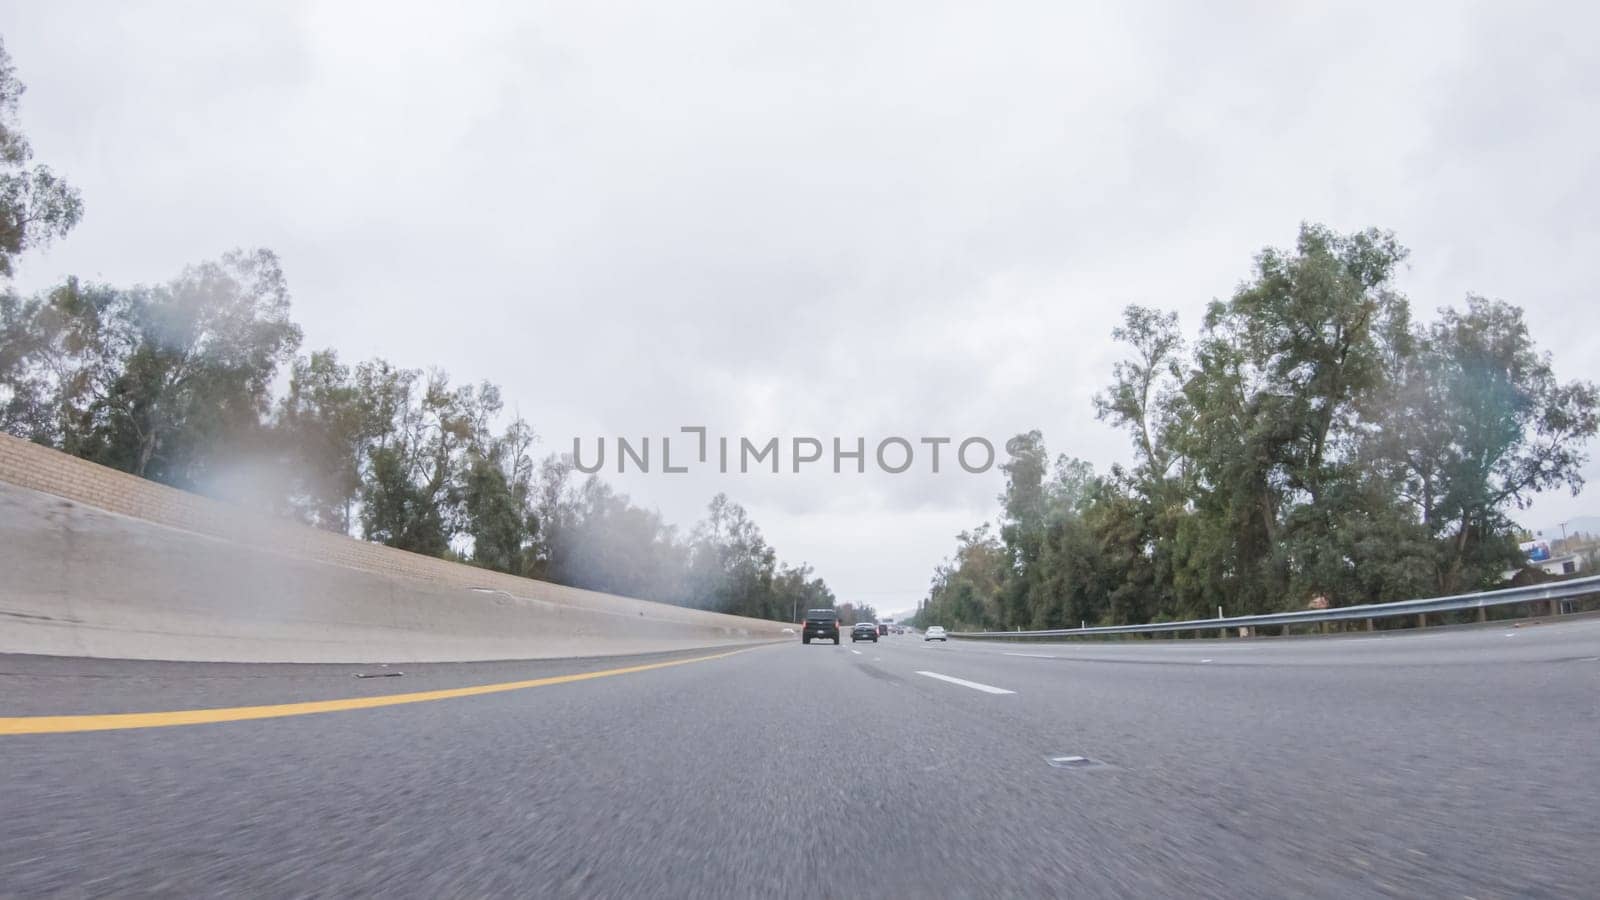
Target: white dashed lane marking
x,y
986,688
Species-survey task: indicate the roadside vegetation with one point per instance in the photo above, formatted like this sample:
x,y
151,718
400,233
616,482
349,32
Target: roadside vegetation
x,y
1315,442
199,383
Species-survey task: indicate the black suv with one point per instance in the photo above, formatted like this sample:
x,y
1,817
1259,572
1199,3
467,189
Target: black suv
x,y
864,631
820,624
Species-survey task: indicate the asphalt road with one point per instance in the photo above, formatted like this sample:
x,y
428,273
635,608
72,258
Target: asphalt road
x,y
1445,764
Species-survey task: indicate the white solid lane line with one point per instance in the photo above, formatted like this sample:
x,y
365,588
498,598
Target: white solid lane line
x,y
986,688
1032,655
855,651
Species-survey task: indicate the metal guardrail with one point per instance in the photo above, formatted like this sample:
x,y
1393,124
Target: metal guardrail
x,y
1553,592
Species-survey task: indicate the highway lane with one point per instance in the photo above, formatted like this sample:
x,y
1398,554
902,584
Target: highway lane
x,y
1453,763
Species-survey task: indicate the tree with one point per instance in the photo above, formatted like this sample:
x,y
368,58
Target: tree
x,y
36,206
732,566
1481,423
965,591
1314,441
169,382
1287,374
553,511
196,384
1145,396
397,511
1137,515
175,383
498,497
414,495
795,591
58,353
852,614
326,429
1024,506
593,537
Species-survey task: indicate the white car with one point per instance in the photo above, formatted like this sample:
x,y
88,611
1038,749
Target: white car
x,y
935,633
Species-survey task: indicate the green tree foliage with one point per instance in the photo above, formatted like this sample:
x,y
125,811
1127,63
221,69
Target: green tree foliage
x,y
36,206
966,588
163,382
1313,442
399,512
1285,375
436,470
851,614
592,537
1480,423
176,383
734,569
328,423
498,499
598,539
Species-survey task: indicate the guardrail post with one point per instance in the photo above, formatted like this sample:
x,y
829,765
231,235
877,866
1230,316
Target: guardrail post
x,y
1555,606
1483,614
1422,620
1370,626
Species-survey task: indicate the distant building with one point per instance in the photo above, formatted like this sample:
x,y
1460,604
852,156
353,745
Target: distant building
x,y
1539,557
1567,564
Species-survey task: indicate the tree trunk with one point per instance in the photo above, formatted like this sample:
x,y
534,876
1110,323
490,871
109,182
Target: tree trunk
x,y
147,449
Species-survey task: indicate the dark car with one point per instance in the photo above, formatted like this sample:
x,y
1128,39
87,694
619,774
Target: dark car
x,y
864,631
822,624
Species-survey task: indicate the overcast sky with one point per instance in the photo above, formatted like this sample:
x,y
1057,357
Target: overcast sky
x,y
835,219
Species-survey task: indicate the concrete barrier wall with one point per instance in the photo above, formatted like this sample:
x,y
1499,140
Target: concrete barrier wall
x,y
95,562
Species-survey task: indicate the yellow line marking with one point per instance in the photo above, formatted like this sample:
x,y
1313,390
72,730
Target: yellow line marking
x,y
117,721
